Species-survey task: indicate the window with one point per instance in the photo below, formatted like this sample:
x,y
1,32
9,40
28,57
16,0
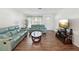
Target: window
x,y
33,20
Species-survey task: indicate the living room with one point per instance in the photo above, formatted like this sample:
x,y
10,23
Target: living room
x,y
18,24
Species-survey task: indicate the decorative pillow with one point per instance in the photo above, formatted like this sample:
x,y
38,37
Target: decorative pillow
x,y
18,30
17,27
3,36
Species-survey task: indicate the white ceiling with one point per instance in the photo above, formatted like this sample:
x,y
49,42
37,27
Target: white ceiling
x,y
37,11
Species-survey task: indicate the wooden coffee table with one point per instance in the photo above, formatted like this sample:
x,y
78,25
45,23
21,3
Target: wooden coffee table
x,y
36,36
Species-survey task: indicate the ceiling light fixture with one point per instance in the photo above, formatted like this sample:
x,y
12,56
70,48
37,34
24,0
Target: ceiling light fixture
x,y
39,8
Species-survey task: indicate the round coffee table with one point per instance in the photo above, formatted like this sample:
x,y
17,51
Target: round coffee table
x,y
36,36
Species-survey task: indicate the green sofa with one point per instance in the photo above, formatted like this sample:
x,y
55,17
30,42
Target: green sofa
x,y
10,37
38,27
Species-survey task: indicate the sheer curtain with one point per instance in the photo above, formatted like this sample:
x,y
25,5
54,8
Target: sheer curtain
x,y
33,20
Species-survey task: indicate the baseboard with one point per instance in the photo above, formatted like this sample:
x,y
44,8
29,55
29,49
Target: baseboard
x,y
74,43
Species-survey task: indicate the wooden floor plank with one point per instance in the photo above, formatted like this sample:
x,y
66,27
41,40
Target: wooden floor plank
x,y
48,43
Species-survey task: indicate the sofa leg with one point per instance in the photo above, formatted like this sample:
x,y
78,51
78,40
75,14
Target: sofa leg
x,y
44,34
29,34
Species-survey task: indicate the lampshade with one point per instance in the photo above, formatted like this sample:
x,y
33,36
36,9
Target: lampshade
x,y
64,23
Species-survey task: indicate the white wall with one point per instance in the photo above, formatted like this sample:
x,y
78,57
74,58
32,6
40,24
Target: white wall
x,y
75,27
73,16
48,21
66,14
9,17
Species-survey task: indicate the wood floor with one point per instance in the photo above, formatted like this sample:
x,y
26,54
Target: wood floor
x,y
48,43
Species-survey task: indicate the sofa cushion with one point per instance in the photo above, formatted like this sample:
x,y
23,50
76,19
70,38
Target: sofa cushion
x,y
15,38
38,27
13,32
21,33
2,36
3,30
11,28
8,34
18,30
